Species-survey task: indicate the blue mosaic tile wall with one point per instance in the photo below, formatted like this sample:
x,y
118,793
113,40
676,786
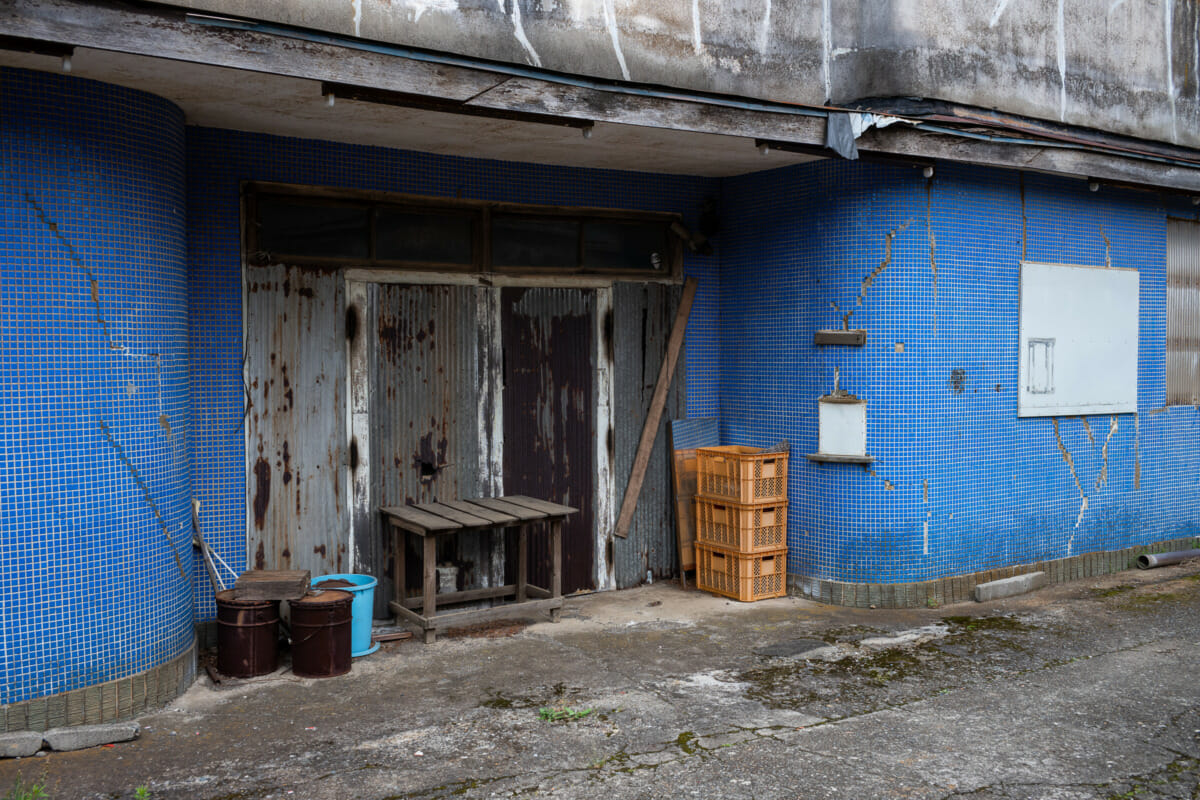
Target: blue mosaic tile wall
x,y
219,160
961,483
95,521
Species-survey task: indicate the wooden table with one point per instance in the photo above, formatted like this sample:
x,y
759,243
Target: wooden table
x,y
431,520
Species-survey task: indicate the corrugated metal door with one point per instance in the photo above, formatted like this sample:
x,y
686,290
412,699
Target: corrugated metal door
x,y
549,417
425,442
296,419
643,316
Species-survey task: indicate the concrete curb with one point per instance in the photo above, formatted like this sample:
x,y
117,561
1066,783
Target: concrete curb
x,y
1008,587
20,744
78,737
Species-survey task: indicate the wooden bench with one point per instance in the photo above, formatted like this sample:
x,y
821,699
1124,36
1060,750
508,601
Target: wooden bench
x,y
431,520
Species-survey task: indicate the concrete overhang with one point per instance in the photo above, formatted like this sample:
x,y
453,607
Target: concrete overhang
x,y
228,74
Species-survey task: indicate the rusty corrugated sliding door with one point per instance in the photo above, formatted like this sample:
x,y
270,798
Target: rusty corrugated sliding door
x,y
296,419
549,417
1183,312
425,431
643,314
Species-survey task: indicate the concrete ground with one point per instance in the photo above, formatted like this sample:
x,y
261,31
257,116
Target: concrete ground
x,y
1085,690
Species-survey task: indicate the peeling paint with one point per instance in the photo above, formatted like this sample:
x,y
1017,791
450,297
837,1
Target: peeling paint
x,y
1062,64
610,19
419,7
1102,478
1107,248
764,28
1088,428
514,14
928,513
887,259
1071,464
998,12
1168,16
826,47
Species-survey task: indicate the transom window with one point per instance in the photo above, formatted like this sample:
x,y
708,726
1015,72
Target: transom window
x,y
324,227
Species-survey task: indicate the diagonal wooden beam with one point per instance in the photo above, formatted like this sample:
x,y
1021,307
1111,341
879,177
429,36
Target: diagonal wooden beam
x,y
654,416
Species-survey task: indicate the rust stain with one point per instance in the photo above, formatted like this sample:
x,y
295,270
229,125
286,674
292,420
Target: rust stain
x,y
260,557
286,557
287,465
262,491
320,550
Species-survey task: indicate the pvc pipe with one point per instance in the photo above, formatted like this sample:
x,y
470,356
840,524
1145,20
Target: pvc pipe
x,y
1165,559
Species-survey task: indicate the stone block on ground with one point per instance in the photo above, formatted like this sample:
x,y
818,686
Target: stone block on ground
x,y
1008,587
79,737
20,744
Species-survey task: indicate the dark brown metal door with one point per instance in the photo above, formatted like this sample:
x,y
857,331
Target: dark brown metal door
x,y
549,417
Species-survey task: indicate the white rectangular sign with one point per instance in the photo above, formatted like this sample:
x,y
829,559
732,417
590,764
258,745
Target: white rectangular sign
x,y
1079,340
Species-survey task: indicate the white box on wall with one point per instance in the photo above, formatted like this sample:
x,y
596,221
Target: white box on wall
x,y
842,426
1078,340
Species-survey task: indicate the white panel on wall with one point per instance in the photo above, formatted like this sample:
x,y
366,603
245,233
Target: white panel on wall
x,y
842,426
1079,340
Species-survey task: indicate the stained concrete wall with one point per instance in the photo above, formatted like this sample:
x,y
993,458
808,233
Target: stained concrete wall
x,y
1122,67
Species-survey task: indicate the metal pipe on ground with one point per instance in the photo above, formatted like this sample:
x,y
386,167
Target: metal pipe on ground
x,y
1166,559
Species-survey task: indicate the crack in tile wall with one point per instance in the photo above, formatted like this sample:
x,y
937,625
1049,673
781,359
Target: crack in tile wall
x,y
887,259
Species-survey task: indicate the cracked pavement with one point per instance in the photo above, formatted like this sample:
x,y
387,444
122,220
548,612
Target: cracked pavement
x,y
1079,691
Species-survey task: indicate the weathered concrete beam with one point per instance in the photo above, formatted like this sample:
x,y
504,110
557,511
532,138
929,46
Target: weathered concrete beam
x,y
167,34
156,33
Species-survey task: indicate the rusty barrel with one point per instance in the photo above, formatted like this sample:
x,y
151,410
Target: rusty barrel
x,y
247,635
321,626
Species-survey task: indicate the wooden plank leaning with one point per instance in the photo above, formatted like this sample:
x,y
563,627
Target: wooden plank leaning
x,y
654,416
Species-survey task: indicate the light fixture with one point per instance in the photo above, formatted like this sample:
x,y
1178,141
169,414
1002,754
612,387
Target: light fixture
x,y
1093,186
330,99
764,148
1196,201
587,132
927,172
66,63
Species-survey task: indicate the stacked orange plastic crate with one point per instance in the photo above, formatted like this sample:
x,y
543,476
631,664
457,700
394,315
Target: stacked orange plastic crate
x,y
741,522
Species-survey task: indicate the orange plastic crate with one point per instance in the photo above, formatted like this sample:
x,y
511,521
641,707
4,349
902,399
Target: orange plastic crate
x,y
743,527
743,577
740,474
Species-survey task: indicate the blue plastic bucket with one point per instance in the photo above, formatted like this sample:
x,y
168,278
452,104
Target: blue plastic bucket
x,y
361,610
